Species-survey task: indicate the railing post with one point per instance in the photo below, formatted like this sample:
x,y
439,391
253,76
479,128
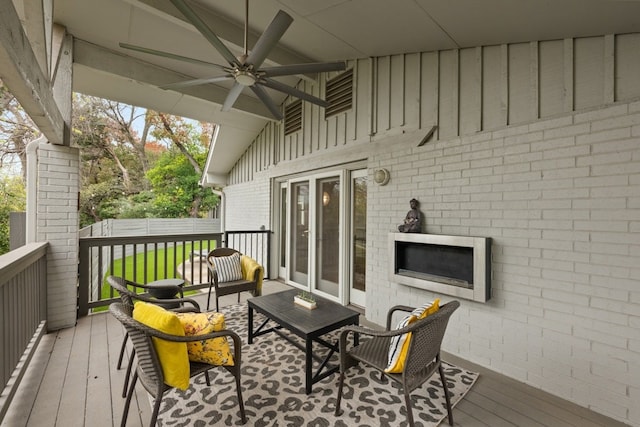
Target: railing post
x,y
83,279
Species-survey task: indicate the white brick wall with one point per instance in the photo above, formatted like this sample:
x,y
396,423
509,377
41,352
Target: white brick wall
x,y
247,205
58,224
561,200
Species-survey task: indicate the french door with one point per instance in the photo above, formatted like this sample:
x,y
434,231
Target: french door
x,y
358,228
317,213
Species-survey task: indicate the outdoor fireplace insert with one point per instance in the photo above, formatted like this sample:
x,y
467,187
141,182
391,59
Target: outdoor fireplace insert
x,y
451,265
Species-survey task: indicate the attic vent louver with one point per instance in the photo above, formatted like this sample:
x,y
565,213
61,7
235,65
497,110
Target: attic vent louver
x,y
339,94
293,117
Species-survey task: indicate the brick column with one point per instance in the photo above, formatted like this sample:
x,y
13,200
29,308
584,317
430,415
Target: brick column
x,y
58,224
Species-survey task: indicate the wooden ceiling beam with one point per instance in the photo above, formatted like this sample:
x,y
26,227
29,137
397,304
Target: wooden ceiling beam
x,y
21,73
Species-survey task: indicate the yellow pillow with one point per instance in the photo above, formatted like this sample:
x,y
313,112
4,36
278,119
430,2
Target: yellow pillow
x,y
173,355
215,351
249,268
399,345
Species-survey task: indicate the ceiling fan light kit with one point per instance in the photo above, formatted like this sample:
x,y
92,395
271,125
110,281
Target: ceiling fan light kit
x,y
245,70
245,78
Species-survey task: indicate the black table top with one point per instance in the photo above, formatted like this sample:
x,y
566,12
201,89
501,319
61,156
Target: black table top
x,y
326,317
169,293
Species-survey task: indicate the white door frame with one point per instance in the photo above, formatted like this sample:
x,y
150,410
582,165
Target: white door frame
x,y
345,176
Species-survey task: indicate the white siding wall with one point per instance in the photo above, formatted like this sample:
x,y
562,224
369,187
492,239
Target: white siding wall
x,y
58,224
538,147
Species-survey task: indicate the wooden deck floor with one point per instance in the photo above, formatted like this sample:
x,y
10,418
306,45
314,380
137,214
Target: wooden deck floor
x,y
73,381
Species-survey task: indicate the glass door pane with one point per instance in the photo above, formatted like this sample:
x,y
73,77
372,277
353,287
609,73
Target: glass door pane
x,y
327,234
299,247
358,256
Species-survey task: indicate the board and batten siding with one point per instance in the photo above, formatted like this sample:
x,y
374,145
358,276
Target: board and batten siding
x,y
461,91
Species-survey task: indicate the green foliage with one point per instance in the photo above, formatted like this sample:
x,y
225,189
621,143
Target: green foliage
x,y
126,174
175,184
12,199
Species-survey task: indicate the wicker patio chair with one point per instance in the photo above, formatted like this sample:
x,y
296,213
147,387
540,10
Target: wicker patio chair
x,y
251,280
128,291
149,369
423,357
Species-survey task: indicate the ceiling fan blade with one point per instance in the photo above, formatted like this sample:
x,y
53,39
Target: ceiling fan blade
x,y
232,96
196,82
315,67
171,56
267,101
274,84
197,22
269,38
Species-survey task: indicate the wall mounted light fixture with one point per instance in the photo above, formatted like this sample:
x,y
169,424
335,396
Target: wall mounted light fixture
x,y
381,176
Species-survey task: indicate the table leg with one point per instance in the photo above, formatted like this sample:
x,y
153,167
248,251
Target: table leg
x,y
356,336
250,337
308,365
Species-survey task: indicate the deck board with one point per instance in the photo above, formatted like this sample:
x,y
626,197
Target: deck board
x,y
73,381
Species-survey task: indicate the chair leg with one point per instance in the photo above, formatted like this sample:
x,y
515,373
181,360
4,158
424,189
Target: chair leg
x,y
128,374
340,383
407,402
209,297
156,409
243,416
123,348
238,297
217,307
446,395
127,403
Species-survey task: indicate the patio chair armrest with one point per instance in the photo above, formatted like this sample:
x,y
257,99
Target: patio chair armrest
x,y
346,330
371,332
193,307
191,338
393,310
237,342
374,333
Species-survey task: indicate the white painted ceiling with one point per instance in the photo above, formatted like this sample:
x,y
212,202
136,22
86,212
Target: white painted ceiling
x,y
322,30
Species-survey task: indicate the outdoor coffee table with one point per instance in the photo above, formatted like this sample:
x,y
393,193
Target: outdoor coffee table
x,y
308,324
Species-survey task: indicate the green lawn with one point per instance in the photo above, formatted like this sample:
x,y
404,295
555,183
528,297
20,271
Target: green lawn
x,y
155,262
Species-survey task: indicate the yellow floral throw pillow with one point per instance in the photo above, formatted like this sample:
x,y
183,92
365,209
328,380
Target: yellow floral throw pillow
x,y
399,345
172,355
215,351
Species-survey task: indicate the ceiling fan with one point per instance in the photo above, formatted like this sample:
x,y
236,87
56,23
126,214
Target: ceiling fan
x,y
246,70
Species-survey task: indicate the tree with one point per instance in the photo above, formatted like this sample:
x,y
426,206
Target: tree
x,y
103,127
175,183
119,147
120,163
17,130
12,199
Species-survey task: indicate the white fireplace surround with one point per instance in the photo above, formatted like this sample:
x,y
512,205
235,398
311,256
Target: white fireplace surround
x,y
478,289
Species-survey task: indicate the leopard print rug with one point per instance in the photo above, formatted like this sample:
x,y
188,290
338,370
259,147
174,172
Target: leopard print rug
x,y
274,393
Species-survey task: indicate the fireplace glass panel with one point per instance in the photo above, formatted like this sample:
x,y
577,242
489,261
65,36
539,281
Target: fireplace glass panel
x,y
447,264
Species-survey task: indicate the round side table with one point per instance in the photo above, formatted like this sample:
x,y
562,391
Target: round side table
x,y
165,289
